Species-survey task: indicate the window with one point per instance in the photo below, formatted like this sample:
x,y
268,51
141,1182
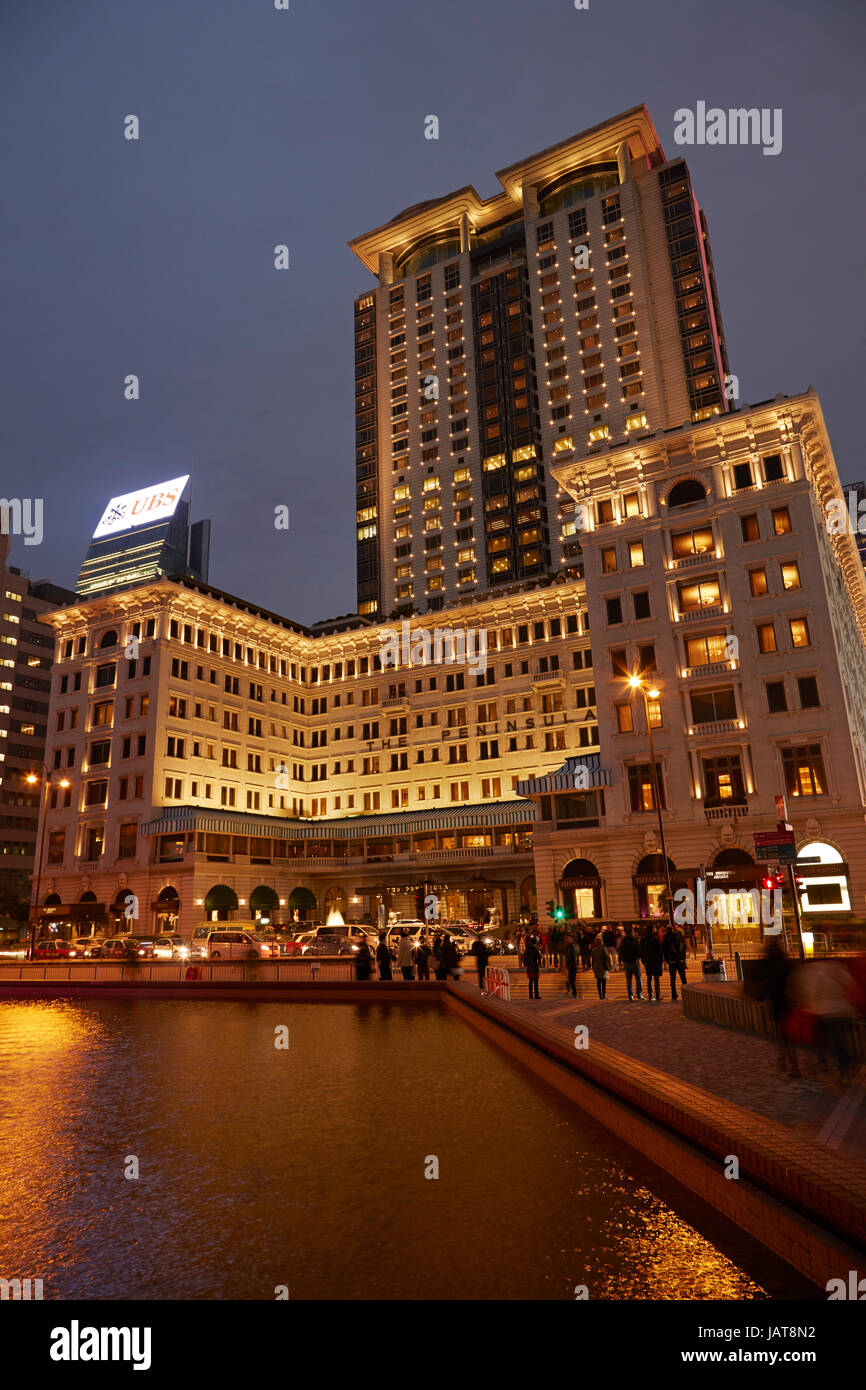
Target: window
x,y
699,593
749,527
608,560
799,632
777,701
641,604
640,787
804,770
624,719
635,554
102,715
696,541
711,706
808,688
723,780
706,649
781,521
742,476
100,752
126,840
95,793
619,661
105,675
614,611
758,582
790,575
766,638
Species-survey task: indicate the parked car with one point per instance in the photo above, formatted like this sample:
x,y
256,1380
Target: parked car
x,y
351,935
51,948
329,946
80,946
142,946
170,947
117,948
234,945
98,944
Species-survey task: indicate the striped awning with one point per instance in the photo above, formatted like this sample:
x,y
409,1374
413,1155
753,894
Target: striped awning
x,y
576,774
184,819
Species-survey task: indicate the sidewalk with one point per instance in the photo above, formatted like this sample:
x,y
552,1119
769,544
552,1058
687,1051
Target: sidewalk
x,y
736,1067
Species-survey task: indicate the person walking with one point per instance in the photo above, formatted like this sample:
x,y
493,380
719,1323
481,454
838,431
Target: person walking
x,y
449,962
608,940
363,961
482,955
651,955
586,940
571,962
437,955
406,956
383,957
827,990
520,943
532,960
422,958
629,955
674,952
601,965
770,981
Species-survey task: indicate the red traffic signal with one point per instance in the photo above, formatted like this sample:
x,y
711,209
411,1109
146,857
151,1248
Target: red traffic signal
x,y
769,882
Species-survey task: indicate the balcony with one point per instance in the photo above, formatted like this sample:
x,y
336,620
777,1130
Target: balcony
x,y
709,557
714,668
718,726
399,702
545,677
693,615
726,810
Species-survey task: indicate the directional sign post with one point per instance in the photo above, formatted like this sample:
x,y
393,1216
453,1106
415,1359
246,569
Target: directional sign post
x,y
775,844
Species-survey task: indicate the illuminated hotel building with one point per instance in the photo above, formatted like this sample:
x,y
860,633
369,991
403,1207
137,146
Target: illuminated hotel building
x,y
573,310
242,763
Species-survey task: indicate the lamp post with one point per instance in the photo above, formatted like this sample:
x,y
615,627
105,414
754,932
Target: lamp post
x,y
32,779
637,684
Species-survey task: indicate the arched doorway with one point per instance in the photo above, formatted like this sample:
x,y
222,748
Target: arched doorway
x,y
263,902
167,909
335,900
580,885
825,886
220,901
649,883
727,857
528,900
302,901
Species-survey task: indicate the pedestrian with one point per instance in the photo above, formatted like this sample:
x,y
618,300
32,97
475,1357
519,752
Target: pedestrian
x,y
481,954
586,941
449,961
608,939
406,955
651,955
383,957
422,958
691,938
520,942
571,961
629,956
544,947
827,990
532,959
437,955
674,952
601,965
363,961
770,980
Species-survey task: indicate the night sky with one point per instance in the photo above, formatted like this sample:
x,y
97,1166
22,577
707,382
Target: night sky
x,y
306,127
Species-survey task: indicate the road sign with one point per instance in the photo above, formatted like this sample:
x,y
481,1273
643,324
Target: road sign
x,y
774,837
775,844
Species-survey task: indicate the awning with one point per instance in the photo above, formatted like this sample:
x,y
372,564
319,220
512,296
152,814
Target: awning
x,y
221,898
576,774
183,819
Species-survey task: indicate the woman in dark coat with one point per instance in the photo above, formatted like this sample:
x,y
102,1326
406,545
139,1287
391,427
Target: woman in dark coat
x,y
449,960
601,965
363,962
653,962
383,958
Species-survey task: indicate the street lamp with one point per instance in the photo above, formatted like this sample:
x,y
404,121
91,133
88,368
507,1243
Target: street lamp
x,y
637,684
32,779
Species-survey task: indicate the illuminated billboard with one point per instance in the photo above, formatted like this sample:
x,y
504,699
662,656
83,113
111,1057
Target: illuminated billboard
x,y
142,508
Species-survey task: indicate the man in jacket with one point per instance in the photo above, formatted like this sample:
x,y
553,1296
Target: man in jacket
x,y
650,950
571,962
532,961
406,956
449,960
383,957
674,952
629,955
481,954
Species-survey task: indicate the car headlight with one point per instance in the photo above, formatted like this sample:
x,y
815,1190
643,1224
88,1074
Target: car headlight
x,y
184,952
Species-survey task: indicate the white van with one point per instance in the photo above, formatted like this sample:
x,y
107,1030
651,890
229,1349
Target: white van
x,y
235,945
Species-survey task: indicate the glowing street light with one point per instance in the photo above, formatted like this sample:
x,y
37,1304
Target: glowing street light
x,y
32,779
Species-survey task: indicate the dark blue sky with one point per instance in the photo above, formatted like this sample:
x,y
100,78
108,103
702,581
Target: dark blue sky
x,y
307,127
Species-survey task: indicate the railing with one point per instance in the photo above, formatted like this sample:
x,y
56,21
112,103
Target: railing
x,y
684,561
712,668
718,726
209,972
397,700
548,676
732,808
693,615
465,853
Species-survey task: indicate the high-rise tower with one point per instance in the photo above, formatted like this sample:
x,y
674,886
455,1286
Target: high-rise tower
x,y
573,311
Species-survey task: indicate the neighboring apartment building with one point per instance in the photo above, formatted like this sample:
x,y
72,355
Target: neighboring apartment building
x,y
715,572
224,759
576,307
26,652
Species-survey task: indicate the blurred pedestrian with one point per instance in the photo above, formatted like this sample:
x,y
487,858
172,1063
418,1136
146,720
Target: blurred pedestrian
x,y
363,961
482,955
384,957
674,952
449,961
406,955
601,965
532,959
650,950
422,958
629,955
828,991
571,962
770,980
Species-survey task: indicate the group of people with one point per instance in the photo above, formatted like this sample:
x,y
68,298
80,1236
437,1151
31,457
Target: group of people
x,y
640,946
414,959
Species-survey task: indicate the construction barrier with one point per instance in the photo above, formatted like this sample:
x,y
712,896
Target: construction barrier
x,y
497,982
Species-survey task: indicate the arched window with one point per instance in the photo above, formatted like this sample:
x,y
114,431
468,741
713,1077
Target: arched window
x,y
108,639
689,490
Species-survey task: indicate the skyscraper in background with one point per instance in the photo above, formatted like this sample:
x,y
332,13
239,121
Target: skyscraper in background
x,y
570,313
142,535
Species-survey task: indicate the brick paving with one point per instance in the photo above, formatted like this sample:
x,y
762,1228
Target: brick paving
x,y
735,1067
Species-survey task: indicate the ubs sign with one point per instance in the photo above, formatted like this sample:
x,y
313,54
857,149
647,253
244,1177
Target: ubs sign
x,y
141,508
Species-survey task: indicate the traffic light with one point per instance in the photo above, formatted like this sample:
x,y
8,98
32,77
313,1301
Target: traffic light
x,y
779,879
559,913
769,882
551,907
